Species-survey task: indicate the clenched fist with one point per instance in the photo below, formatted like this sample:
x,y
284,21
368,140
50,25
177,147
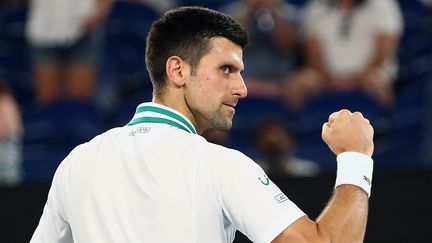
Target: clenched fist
x,y
347,131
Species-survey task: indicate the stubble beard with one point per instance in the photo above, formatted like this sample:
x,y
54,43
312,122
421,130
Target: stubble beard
x,y
212,120
220,121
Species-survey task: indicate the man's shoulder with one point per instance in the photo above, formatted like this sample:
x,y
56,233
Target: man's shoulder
x,y
94,142
222,156
216,149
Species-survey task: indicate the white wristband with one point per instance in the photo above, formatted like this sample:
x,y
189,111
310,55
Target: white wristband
x,y
355,169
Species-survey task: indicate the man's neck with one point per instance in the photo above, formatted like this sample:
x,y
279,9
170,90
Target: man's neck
x,y
178,105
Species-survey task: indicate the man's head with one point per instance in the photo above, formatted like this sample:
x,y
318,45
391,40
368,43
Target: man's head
x,y
186,32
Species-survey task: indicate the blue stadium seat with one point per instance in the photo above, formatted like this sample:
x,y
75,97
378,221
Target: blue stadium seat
x,y
126,32
127,106
249,113
213,4
316,112
404,142
52,131
14,58
123,67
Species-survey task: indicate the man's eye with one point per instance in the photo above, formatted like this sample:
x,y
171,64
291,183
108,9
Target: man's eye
x,y
226,69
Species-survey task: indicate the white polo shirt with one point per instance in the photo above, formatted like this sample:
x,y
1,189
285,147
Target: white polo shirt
x,y
156,180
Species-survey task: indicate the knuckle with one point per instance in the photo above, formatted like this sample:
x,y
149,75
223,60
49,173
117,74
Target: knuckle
x,y
345,113
358,114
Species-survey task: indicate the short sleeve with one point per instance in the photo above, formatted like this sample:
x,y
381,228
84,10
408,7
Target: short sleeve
x,y
388,16
253,203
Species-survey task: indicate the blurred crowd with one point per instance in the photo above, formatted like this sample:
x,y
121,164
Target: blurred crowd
x,y
70,69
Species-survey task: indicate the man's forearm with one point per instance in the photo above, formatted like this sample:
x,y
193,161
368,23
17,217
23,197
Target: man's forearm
x,y
345,216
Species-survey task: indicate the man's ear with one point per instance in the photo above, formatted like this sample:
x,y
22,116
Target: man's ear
x,y
177,70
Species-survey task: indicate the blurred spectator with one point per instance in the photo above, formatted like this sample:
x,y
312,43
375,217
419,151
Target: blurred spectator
x,y
427,2
272,29
275,144
11,131
65,40
349,45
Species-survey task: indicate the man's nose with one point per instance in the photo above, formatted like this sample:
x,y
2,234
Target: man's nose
x,y
239,87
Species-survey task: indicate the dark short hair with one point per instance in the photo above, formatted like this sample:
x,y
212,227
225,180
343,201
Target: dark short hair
x,y
186,32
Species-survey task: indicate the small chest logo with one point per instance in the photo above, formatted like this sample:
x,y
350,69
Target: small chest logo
x,y
264,180
139,130
280,198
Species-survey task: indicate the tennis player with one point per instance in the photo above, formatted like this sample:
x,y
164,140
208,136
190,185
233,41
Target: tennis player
x,y
157,180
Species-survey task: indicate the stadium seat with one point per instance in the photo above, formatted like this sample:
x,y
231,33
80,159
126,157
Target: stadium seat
x,y
249,113
316,112
123,67
14,58
52,131
404,142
